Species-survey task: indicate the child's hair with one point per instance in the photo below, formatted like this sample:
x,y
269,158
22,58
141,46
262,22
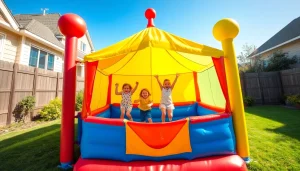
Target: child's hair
x,y
166,80
145,90
126,84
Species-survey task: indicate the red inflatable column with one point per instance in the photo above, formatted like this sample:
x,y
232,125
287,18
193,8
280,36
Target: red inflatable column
x,y
73,27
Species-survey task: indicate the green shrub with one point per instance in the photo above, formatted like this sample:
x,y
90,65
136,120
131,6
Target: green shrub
x,y
280,61
52,111
294,99
79,100
24,107
248,101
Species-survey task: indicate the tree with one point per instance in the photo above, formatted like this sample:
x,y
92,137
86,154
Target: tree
x,y
277,62
247,50
280,61
256,65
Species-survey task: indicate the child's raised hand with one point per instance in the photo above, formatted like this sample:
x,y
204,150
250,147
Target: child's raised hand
x,y
156,76
177,75
117,84
137,83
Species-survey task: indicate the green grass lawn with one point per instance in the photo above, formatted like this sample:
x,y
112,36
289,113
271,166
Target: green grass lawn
x,y
274,137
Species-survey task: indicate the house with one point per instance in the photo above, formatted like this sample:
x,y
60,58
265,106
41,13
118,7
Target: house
x,y
35,40
286,40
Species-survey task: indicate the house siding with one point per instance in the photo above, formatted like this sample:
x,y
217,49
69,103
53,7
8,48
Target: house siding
x,y
58,63
80,70
24,59
293,49
26,54
85,41
11,44
81,54
17,46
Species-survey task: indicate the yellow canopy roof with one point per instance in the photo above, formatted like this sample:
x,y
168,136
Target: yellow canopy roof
x,y
153,52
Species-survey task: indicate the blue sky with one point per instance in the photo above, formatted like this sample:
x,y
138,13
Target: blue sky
x,y
110,21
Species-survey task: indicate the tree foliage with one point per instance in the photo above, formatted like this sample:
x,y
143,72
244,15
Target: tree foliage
x,y
52,111
79,101
247,51
256,65
23,108
280,61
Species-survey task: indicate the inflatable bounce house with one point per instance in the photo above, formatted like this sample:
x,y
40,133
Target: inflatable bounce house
x,y
208,130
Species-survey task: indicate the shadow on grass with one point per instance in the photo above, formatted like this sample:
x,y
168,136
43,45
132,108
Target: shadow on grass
x,y
34,150
289,117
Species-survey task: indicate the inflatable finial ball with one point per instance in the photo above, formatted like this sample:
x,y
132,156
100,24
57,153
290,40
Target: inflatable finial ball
x,y
226,29
150,13
72,25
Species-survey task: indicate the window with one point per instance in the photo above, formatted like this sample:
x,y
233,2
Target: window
x,y
41,59
2,38
82,46
34,53
50,62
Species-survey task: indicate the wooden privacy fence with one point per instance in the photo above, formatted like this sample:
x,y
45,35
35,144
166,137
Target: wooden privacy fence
x,y
270,87
18,81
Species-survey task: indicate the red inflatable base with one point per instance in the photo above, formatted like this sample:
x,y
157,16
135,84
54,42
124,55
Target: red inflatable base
x,y
224,163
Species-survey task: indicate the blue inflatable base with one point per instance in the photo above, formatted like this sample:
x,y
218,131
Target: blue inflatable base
x,y
247,159
65,166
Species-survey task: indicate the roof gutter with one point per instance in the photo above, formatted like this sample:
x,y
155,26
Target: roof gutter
x,y
40,40
9,16
8,27
274,47
28,34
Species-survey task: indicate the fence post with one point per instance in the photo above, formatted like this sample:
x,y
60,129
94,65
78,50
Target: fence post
x,y
57,85
12,93
35,76
245,84
34,81
280,83
261,89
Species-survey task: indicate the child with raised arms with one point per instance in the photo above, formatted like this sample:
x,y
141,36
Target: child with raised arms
x,y
126,104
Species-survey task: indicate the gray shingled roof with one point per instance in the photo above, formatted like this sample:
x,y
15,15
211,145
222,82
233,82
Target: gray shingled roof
x,y
289,32
44,26
42,31
49,20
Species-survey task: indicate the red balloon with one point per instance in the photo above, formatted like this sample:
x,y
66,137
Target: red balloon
x,y
72,25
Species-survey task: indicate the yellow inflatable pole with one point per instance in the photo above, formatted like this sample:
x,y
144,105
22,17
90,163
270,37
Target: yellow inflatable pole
x,y
225,31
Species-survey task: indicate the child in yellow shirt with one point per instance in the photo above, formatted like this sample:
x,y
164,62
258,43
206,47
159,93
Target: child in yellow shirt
x,y
145,105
